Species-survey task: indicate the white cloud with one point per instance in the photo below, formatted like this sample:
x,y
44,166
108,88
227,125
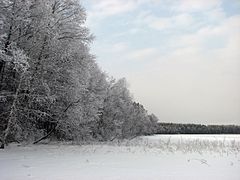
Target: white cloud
x,y
158,23
111,7
143,54
182,14
190,74
226,29
105,8
100,9
215,14
196,5
182,19
134,30
192,81
109,48
119,47
163,23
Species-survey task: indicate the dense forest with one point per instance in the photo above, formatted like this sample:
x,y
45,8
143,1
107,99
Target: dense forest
x,y
174,128
52,87
50,84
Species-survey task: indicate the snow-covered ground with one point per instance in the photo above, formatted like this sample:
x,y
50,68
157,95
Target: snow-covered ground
x,y
161,157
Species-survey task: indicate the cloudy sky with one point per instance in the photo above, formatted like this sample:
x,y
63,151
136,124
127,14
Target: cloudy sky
x,y
180,57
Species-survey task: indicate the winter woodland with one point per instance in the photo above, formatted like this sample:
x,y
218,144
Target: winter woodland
x,y
50,84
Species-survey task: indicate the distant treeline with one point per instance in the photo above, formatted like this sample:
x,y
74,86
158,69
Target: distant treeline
x,y
172,128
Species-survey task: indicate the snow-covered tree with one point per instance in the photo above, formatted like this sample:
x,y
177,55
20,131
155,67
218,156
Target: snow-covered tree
x,y
56,43
51,84
115,110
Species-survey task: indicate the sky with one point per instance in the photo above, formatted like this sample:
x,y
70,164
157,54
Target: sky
x,y
181,58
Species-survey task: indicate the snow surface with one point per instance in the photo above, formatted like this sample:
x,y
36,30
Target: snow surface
x,y
162,157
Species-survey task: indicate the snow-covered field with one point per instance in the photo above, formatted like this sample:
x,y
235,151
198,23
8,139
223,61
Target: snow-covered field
x,y
161,157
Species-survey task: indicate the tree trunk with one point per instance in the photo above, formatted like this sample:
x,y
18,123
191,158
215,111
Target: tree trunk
x,y
12,120
6,45
44,137
2,144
